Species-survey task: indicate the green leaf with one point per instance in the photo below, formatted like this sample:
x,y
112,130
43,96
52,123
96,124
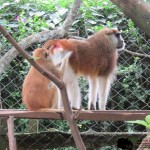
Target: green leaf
x,y
3,22
147,118
140,122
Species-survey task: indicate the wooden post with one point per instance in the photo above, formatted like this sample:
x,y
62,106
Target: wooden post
x,y
11,137
3,125
3,133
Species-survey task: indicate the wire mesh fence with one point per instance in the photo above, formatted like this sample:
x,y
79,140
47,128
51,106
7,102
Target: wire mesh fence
x,y
130,91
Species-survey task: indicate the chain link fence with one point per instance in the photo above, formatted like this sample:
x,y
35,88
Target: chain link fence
x,y
130,91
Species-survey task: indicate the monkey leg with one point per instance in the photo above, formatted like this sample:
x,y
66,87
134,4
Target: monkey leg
x,y
73,90
59,105
104,88
93,88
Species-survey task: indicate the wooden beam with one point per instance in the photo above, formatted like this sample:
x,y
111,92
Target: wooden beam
x,y
108,115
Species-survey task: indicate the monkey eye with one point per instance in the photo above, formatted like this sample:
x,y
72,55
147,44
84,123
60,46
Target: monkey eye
x,y
45,54
117,35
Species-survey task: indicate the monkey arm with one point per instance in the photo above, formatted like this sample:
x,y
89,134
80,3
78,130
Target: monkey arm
x,y
52,68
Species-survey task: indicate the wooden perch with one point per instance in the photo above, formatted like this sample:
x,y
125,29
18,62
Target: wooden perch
x,y
107,115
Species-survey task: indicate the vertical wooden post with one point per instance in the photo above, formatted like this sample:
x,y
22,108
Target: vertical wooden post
x,y
11,137
3,126
3,133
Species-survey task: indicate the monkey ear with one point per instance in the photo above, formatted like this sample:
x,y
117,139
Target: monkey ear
x,y
111,31
45,54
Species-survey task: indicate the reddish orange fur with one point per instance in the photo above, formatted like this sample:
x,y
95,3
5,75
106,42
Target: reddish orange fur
x,y
95,56
36,91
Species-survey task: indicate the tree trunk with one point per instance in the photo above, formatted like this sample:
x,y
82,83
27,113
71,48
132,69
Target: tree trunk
x,y
138,11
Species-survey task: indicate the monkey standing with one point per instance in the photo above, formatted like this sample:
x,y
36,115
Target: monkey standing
x,y
38,92
95,58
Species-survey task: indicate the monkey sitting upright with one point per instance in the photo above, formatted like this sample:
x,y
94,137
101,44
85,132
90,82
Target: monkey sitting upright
x,y
95,58
38,92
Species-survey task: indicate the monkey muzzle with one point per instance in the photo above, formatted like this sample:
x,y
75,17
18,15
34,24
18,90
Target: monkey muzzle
x,y
120,46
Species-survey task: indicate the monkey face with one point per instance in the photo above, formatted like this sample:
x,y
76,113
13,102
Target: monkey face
x,y
121,43
116,39
41,54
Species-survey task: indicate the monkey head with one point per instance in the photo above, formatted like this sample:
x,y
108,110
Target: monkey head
x,y
41,54
116,38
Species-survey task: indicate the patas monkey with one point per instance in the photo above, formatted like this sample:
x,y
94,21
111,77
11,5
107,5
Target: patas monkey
x,y
95,58
38,92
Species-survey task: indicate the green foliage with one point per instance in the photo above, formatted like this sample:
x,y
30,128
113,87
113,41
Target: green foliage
x,y
145,123
98,14
24,18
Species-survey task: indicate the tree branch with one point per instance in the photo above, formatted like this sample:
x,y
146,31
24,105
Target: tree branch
x,y
40,37
68,112
137,54
72,15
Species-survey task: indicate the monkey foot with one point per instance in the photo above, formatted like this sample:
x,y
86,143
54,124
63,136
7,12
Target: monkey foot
x,y
92,107
74,108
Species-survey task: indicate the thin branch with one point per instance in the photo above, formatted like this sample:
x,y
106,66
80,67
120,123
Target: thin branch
x,y
72,15
137,54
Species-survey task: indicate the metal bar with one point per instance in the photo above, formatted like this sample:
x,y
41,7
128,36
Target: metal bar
x,y
11,137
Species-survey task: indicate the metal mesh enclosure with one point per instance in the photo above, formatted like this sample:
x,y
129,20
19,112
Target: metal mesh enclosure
x,y
130,91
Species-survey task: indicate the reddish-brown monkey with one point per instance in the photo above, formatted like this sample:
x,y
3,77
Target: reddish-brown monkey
x,y
95,58
38,92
